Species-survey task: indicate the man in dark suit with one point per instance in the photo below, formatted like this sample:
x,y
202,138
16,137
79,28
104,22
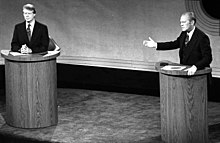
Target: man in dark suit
x,y
195,49
30,36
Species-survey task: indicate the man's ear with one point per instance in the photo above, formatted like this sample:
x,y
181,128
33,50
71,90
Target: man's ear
x,y
192,22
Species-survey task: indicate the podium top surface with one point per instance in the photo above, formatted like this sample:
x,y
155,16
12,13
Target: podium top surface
x,y
15,56
169,68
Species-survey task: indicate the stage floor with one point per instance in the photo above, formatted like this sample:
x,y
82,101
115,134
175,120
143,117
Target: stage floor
x,y
88,116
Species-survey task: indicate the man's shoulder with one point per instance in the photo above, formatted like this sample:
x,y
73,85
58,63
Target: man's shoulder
x,y
200,32
19,24
40,24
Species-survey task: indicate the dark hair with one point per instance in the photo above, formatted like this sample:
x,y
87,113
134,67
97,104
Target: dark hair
x,y
29,7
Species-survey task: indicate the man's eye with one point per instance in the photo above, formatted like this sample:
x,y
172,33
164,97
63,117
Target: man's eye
x,y
27,13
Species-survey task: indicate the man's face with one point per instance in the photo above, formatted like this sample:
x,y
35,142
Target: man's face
x,y
28,15
185,23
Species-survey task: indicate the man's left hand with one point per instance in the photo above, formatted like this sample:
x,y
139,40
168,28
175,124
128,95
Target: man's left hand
x,y
25,49
191,70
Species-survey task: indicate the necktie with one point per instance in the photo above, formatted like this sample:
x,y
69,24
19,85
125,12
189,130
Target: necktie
x,y
29,32
187,39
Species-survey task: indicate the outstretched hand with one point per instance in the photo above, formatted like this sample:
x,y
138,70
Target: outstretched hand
x,y
150,43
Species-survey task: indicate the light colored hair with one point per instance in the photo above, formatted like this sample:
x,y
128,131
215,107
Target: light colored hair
x,y
191,16
29,7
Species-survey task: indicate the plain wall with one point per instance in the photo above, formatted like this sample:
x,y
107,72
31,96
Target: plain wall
x,y
106,30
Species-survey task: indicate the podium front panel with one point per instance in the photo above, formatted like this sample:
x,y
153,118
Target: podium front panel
x,y
31,90
183,101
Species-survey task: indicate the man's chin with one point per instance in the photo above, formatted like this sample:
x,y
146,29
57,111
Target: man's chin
x,y
28,20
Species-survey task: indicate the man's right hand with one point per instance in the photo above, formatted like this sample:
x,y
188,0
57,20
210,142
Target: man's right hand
x,y
25,50
150,43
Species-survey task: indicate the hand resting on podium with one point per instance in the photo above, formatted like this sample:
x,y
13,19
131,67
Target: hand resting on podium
x,y
25,50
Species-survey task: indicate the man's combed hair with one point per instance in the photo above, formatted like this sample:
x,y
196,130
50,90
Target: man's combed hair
x,y
29,7
191,16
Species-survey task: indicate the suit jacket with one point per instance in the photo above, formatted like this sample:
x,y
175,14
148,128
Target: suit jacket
x,y
39,40
197,52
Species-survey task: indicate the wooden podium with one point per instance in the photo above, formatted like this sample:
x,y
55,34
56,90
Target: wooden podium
x,y
183,101
31,89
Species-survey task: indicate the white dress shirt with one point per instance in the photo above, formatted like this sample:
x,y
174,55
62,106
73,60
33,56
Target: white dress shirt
x,y
191,33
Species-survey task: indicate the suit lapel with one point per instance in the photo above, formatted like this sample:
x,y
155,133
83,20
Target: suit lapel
x,y
190,44
25,31
35,31
182,40
193,39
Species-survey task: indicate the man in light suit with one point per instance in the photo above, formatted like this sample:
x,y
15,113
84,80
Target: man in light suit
x,y
194,45
30,36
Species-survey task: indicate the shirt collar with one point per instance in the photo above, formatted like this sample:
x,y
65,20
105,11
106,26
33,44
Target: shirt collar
x,y
191,33
31,23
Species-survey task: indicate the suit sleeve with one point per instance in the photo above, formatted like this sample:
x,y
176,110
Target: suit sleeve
x,y
206,53
15,42
171,45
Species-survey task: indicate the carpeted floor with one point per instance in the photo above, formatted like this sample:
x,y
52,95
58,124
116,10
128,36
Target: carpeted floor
x,y
87,116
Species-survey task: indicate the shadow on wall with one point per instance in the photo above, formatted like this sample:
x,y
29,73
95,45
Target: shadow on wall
x,y
108,79
117,80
